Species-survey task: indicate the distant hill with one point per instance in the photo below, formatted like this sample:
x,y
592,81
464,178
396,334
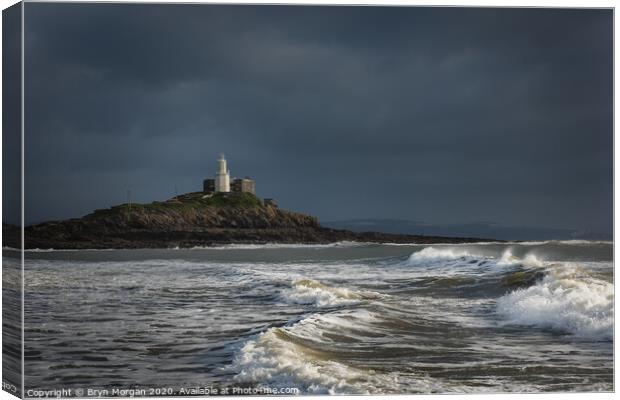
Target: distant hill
x,y
479,229
194,219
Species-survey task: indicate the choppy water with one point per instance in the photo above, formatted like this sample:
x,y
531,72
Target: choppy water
x,y
346,318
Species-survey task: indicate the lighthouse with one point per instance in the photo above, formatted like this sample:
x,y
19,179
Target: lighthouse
x,y
223,184
222,177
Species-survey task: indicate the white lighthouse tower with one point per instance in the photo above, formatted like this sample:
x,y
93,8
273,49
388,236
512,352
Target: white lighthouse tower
x,y
222,177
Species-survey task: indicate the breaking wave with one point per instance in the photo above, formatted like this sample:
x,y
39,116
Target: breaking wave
x,y
567,299
432,254
559,296
530,260
310,291
292,357
306,355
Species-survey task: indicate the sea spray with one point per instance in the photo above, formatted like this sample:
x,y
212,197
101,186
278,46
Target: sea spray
x,y
431,255
567,299
310,291
298,356
529,260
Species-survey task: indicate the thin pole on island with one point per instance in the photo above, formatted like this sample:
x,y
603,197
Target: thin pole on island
x,y
129,199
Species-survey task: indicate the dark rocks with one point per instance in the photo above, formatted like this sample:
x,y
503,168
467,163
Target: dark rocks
x,y
193,222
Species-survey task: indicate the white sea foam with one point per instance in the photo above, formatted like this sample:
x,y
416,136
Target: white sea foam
x,y
510,242
310,291
10,248
432,254
457,259
222,247
279,246
565,242
279,357
298,356
271,360
446,244
530,260
37,250
567,299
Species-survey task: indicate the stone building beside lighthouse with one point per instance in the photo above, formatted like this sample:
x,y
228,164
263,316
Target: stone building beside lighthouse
x,y
223,184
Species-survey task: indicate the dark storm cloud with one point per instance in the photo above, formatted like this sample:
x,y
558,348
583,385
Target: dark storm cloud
x,y
11,115
443,115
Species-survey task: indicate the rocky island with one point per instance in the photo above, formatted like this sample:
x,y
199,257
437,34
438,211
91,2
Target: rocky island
x,y
192,220
225,212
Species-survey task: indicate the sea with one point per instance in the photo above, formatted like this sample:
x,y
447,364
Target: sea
x,y
344,318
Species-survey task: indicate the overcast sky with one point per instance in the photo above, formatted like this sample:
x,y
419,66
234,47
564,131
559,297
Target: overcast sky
x,y
444,115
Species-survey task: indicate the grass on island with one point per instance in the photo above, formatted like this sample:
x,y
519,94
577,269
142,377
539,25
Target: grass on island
x,y
186,201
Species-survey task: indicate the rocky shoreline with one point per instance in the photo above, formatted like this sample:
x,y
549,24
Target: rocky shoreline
x,y
194,221
137,239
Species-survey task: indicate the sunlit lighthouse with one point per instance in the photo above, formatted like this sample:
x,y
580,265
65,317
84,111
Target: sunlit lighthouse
x,y
223,184
222,176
